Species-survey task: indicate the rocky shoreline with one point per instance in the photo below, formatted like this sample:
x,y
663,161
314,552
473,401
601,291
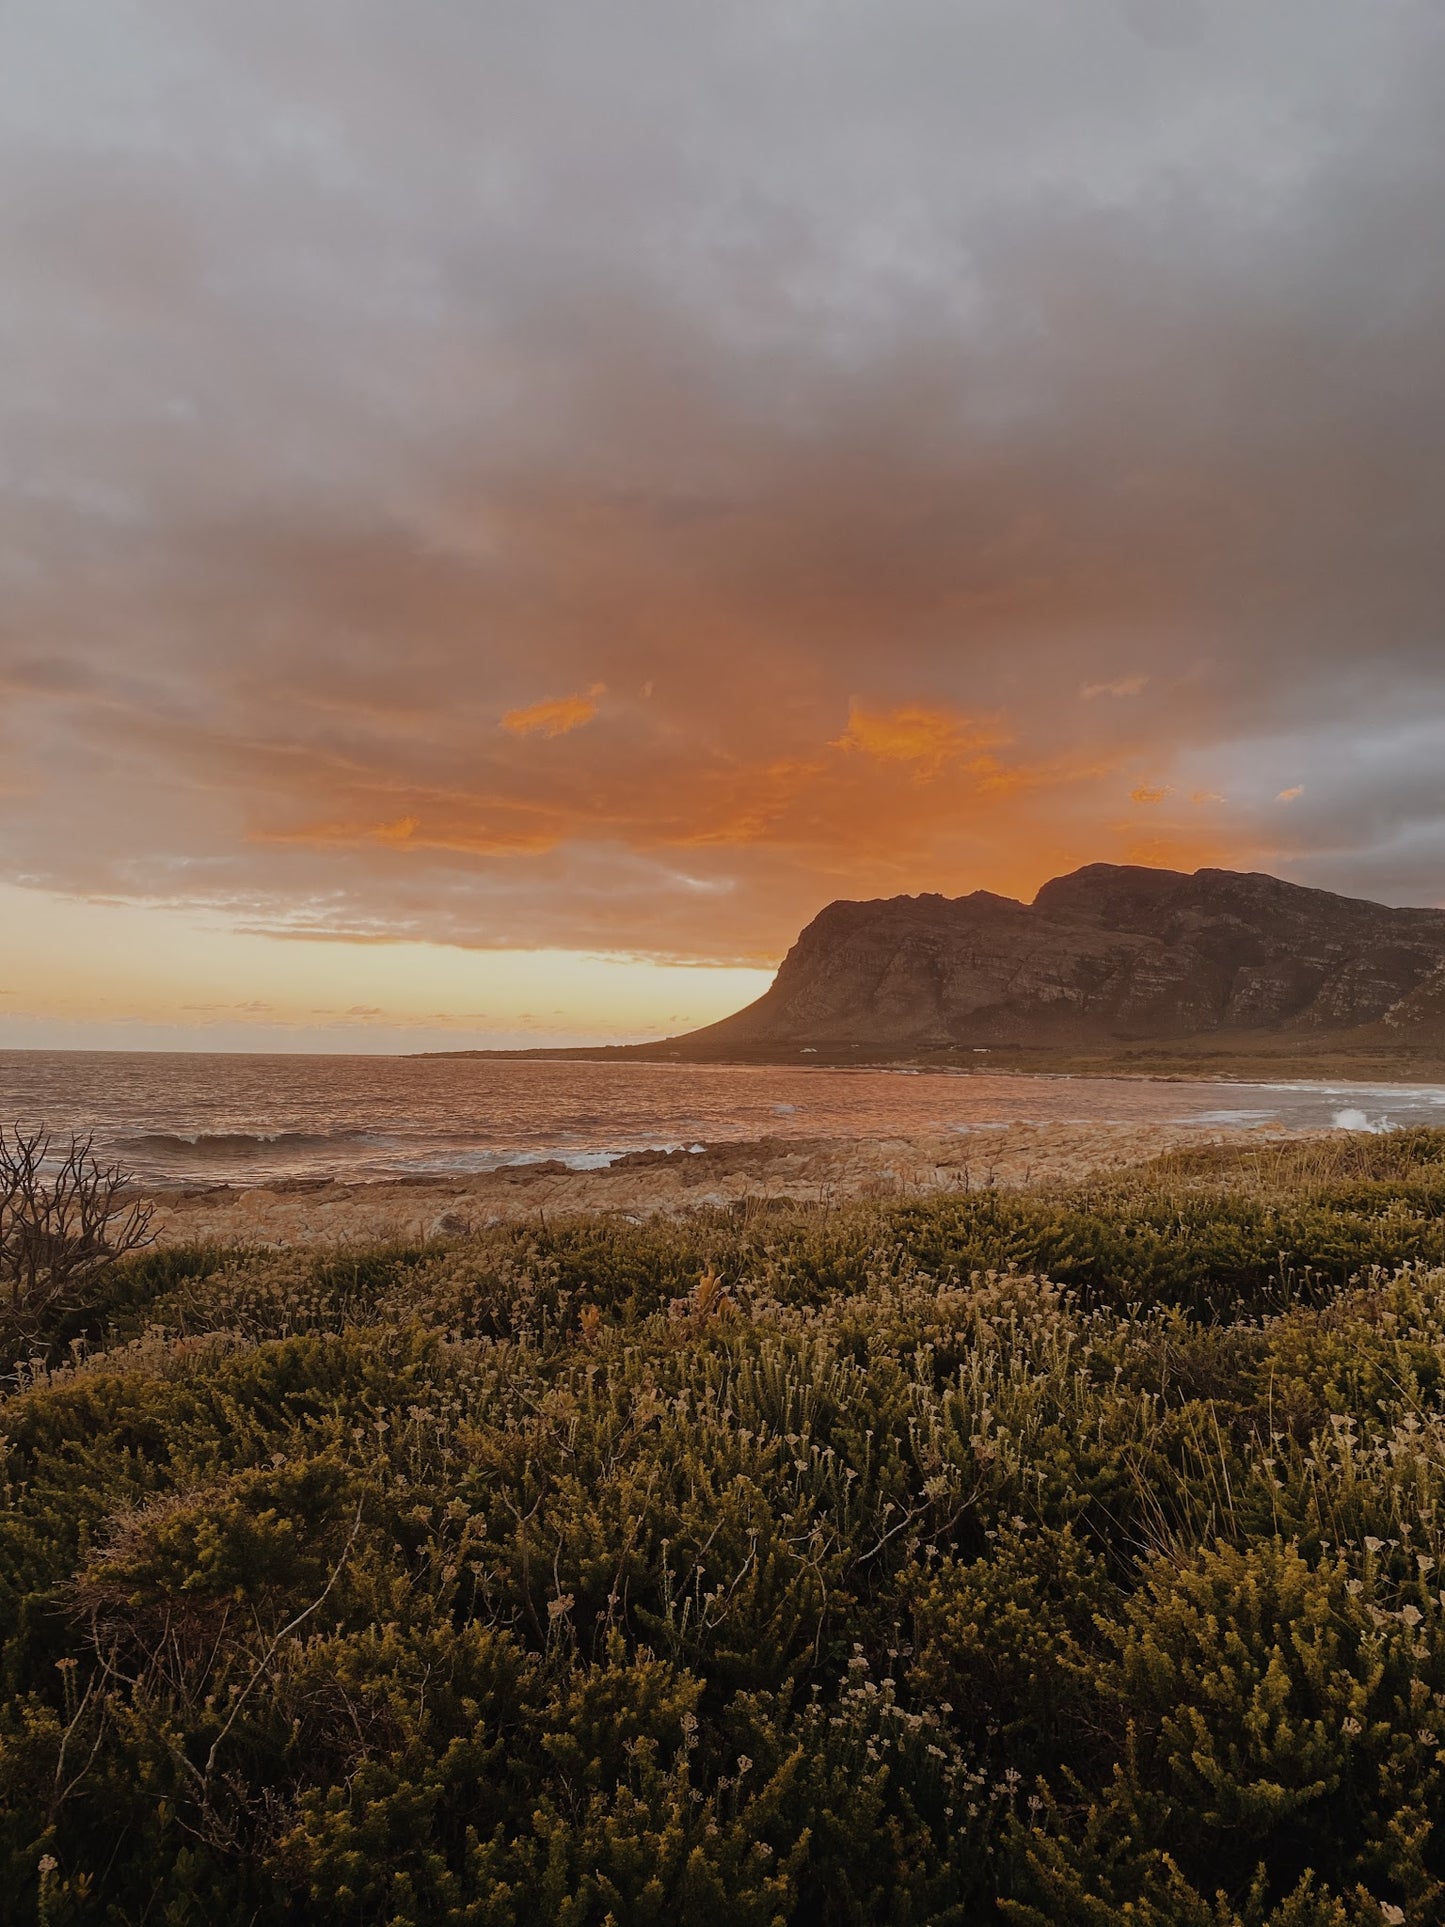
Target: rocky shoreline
x,y
643,1183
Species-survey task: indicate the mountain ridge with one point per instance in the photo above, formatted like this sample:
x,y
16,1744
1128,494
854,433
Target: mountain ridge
x,y
1106,956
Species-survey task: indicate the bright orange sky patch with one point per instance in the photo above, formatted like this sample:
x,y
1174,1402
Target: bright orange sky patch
x,y
555,718
914,733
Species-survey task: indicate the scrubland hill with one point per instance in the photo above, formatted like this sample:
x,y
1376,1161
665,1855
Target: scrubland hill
x,y
1106,957
1055,1559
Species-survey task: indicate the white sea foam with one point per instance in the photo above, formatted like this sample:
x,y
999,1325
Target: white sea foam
x,y
1227,1117
1351,1119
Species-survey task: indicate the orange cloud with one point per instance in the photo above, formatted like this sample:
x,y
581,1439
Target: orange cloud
x,y
1175,848
1291,795
1145,794
927,738
557,717
403,834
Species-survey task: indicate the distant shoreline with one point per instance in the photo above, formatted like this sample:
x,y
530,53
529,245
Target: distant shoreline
x,y
1358,1065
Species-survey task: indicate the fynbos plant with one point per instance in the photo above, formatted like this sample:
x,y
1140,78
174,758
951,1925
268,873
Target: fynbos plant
x,y
65,1219
1047,1559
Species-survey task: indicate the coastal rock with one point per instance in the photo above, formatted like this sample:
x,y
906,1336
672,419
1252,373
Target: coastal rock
x,y
1107,954
744,1178
449,1224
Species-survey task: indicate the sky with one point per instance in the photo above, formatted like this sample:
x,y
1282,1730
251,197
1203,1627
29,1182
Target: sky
x,y
508,509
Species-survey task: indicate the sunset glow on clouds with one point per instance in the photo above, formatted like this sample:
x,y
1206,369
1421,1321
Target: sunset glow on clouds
x,y
555,718
478,485
929,739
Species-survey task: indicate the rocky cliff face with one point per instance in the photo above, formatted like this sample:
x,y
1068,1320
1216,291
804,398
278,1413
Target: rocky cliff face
x,y
1106,954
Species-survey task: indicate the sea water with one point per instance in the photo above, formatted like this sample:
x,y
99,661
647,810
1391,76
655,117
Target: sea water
x,y
199,1118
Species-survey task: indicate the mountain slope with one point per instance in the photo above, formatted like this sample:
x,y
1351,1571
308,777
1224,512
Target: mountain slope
x,y
1105,955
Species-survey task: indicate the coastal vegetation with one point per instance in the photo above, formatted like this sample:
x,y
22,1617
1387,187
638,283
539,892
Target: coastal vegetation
x,y
1065,1556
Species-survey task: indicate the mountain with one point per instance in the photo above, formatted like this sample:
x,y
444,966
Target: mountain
x,y
1105,956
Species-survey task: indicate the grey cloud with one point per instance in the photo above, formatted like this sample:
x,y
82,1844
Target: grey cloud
x,y
371,371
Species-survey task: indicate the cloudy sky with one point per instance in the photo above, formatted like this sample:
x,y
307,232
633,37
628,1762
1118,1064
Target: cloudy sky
x,y
507,508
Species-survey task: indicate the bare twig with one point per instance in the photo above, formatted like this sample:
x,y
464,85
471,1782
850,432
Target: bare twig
x,y
65,1219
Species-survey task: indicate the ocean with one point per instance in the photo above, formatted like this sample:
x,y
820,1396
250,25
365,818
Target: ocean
x,y
195,1118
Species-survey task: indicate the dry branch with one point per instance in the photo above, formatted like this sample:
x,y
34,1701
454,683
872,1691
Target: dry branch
x,y
65,1219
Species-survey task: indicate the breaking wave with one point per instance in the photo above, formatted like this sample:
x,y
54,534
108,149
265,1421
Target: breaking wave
x,y
236,1144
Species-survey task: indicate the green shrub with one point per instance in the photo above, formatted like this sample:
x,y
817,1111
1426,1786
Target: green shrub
x,y
1055,1558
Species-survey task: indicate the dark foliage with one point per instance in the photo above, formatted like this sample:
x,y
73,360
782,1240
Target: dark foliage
x,y
65,1222
1048,1559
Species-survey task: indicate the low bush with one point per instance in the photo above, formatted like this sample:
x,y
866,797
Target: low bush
x,y
1031,1558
